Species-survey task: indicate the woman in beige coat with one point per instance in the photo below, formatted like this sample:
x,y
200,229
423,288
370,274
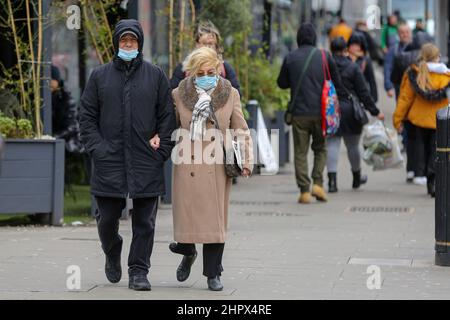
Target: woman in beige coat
x,y
201,188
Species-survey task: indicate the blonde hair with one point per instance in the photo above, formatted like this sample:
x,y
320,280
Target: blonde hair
x,y
208,28
200,57
428,53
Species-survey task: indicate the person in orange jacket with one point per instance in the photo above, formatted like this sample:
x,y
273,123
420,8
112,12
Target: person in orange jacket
x,y
422,94
342,29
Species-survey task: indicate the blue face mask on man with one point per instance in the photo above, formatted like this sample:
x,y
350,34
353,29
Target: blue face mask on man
x,y
128,55
206,82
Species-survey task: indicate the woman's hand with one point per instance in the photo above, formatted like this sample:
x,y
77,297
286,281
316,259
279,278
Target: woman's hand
x,y
246,173
154,142
380,116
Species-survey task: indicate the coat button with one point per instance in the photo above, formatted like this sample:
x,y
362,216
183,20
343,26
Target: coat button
x,y
213,138
192,174
192,157
212,121
212,155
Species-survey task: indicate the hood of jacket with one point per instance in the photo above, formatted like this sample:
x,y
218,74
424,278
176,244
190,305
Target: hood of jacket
x,y
435,94
122,26
306,35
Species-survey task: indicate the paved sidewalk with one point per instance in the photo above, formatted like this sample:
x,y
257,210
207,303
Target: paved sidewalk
x,y
277,249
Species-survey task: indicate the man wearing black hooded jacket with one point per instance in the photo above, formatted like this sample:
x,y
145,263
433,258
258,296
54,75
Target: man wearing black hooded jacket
x,y
125,103
307,119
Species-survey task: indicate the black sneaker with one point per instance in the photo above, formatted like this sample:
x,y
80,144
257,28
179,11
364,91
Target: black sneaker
x,y
139,283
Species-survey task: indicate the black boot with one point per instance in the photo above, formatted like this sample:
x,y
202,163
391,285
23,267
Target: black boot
x,y
358,179
113,269
332,183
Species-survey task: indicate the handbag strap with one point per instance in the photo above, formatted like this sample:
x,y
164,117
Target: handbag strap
x,y
302,75
325,67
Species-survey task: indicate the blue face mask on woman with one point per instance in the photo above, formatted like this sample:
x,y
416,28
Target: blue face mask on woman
x,y
206,82
127,55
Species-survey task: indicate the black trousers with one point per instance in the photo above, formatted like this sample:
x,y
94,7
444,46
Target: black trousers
x,y
212,257
143,227
425,150
409,137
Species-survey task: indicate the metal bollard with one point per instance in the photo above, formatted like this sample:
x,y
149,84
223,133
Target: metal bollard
x,y
442,201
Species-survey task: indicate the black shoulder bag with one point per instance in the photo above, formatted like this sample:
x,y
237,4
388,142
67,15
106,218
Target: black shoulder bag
x,y
288,114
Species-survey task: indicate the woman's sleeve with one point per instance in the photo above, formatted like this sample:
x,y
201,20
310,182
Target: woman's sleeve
x,y
241,132
363,92
370,76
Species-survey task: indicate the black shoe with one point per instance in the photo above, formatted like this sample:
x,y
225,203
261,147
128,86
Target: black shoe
x,y
184,269
332,184
358,180
113,269
139,283
214,284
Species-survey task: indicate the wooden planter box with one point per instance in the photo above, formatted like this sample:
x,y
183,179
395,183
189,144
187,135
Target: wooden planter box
x,y
32,178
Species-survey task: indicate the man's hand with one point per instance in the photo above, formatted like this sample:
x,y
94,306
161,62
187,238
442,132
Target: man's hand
x,y
154,142
380,116
400,129
391,93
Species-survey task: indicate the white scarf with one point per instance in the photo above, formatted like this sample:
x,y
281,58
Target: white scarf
x,y
436,67
202,111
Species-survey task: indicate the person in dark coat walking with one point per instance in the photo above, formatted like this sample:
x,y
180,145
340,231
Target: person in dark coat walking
x,y
125,103
307,108
349,129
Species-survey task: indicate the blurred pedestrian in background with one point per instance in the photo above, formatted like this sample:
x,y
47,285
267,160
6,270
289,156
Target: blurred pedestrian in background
x,y
420,26
349,129
422,94
372,47
405,37
306,99
207,35
65,125
342,29
389,34
204,102
357,48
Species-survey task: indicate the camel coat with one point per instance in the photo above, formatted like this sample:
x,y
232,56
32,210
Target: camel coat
x,y
201,189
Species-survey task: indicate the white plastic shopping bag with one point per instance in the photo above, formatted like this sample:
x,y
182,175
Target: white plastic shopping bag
x,y
381,147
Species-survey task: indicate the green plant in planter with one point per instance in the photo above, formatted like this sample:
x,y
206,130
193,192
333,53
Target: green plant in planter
x,y
263,85
7,127
24,128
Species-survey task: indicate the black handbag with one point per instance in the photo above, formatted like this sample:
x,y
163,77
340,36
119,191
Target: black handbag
x,y
232,168
288,115
359,113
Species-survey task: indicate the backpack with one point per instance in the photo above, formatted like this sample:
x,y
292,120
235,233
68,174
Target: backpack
x,y
331,112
